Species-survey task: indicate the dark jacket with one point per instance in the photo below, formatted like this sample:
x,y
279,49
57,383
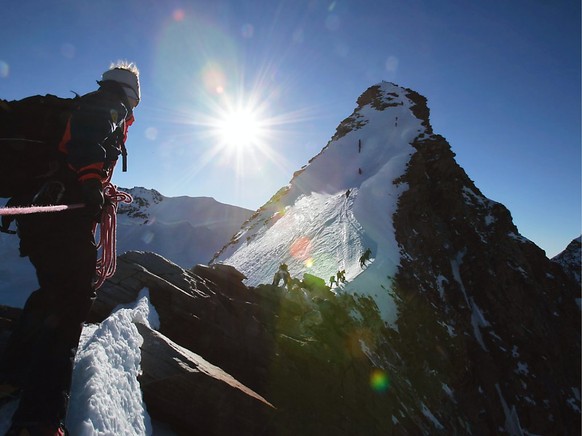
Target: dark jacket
x,y
95,133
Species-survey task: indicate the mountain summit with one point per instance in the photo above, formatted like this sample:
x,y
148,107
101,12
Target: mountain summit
x,y
342,203
483,324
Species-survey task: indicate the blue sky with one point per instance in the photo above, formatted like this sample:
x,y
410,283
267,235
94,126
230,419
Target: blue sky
x,y
502,80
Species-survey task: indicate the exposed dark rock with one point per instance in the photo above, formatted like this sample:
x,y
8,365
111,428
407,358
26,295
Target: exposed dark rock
x,y
300,350
420,109
569,259
482,309
196,397
215,321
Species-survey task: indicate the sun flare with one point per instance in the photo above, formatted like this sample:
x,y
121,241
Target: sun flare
x,y
240,128
240,132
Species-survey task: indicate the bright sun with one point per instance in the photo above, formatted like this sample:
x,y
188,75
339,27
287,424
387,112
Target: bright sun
x,y
240,129
240,134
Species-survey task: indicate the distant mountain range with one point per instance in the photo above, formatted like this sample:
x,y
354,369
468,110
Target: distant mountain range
x,y
185,230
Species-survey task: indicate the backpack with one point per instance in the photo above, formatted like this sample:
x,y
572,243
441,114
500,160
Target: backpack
x,y
30,132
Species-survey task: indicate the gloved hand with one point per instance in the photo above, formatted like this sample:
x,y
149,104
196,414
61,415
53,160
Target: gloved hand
x,y
92,191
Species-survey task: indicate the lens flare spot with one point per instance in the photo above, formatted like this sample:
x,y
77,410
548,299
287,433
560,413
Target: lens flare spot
x,y
301,248
68,50
4,70
332,23
179,15
148,237
213,78
151,133
391,64
247,31
379,381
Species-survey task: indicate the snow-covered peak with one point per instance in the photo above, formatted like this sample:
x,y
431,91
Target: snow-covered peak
x,y
341,203
186,230
149,204
378,130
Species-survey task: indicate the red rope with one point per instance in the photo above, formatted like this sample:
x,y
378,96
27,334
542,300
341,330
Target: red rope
x,y
107,262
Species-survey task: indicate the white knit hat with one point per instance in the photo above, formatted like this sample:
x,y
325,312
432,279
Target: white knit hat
x,y
126,78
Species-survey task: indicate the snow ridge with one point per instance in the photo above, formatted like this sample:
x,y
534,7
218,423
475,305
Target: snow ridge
x,y
106,397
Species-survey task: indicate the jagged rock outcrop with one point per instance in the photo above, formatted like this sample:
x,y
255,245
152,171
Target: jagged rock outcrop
x,y
302,360
213,320
569,259
180,387
452,366
196,397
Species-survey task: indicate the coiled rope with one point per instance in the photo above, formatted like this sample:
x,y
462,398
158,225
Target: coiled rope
x,y
107,245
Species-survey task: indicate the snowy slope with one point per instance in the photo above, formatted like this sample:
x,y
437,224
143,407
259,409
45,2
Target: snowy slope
x,y
339,205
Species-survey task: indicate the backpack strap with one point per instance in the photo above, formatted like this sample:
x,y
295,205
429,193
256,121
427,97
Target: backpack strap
x,y
123,158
